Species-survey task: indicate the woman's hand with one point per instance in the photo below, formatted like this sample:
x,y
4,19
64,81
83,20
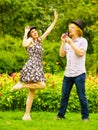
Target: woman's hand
x,y
27,29
49,29
55,14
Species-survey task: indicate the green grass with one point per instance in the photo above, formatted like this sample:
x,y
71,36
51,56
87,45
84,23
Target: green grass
x,y
46,121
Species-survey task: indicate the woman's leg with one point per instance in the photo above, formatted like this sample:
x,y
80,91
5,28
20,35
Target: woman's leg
x,y
29,102
36,85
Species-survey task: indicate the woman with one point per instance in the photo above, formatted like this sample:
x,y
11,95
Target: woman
x,y
32,75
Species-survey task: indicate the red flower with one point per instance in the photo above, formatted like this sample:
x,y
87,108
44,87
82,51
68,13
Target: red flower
x,y
0,84
53,84
0,94
13,75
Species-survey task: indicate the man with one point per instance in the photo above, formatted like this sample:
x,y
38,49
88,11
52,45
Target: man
x,y
74,47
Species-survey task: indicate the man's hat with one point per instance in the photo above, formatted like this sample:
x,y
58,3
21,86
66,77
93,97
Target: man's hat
x,y
79,23
31,27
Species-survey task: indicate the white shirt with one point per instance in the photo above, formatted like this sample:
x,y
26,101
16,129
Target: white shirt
x,y
75,64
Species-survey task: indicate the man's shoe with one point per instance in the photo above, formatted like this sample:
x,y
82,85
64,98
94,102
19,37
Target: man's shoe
x,y
60,117
85,119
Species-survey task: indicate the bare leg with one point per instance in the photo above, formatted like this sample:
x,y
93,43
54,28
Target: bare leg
x,y
37,85
29,104
30,100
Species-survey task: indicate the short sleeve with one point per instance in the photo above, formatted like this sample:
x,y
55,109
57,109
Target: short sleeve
x,y
83,44
29,40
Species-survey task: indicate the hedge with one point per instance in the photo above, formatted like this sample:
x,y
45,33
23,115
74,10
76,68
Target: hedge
x,y
47,99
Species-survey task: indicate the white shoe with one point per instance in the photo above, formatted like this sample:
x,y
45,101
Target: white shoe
x,y
26,117
17,86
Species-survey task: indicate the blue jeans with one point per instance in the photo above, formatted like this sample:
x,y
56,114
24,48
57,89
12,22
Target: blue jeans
x,y
68,82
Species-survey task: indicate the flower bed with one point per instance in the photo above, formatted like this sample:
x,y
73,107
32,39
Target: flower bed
x,y
47,99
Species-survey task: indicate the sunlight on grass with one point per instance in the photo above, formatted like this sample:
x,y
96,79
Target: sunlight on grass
x,y
46,121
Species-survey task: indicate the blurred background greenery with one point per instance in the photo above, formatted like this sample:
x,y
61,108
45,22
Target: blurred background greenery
x,y
16,14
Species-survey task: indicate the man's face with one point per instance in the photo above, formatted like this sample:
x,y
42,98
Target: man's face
x,y
72,29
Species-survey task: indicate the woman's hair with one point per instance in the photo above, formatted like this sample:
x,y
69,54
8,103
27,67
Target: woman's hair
x,y
29,34
32,27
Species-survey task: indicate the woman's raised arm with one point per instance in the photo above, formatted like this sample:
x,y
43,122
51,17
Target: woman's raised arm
x,y
50,27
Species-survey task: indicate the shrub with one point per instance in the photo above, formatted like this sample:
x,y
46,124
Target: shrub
x,y
48,99
52,62
12,54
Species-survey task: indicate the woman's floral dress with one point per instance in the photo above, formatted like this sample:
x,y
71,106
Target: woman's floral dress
x,y
32,71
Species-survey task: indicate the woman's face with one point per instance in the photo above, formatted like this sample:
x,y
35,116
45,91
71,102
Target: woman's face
x,y
34,33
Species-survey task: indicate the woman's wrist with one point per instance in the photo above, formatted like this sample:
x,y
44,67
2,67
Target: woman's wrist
x,y
25,36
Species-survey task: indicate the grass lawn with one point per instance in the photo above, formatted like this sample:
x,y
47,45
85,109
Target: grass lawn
x,y
10,120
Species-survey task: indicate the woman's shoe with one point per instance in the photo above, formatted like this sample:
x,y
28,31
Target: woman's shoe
x,y
26,117
17,86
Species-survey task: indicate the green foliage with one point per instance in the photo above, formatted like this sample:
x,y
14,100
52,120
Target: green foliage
x,y
16,14
12,54
91,64
52,62
47,99
7,61
94,57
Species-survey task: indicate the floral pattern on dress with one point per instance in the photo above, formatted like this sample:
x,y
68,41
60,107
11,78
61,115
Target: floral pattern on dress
x,y
32,71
